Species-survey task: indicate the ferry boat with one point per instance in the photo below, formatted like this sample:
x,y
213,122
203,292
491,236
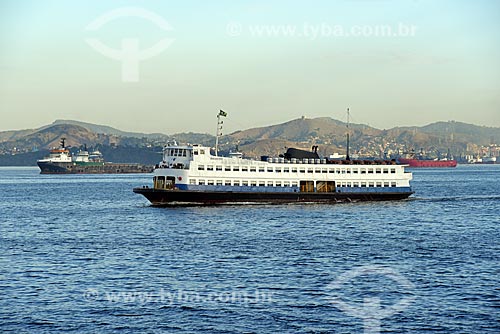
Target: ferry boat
x,y
61,161
192,175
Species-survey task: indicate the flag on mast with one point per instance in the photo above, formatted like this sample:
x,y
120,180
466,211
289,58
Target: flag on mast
x,y
222,113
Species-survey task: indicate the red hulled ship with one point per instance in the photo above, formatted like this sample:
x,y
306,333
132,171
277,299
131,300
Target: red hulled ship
x,y
427,162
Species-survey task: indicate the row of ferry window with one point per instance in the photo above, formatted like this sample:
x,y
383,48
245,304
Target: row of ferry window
x,y
284,183
300,170
178,152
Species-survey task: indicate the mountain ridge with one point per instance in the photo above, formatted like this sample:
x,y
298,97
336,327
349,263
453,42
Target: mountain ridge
x,y
105,129
303,132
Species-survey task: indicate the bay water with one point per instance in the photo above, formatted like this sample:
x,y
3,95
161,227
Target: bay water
x,y
84,254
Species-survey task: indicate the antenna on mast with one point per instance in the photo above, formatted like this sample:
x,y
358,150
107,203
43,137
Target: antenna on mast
x,y
219,130
347,149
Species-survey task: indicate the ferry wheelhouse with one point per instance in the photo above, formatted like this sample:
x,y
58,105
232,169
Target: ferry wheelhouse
x,y
192,175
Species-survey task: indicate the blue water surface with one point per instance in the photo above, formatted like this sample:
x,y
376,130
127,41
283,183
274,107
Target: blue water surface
x,y
84,254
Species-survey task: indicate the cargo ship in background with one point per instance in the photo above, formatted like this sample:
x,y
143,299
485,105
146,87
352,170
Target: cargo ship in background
x,y
61,161
420,160
427,163
489,160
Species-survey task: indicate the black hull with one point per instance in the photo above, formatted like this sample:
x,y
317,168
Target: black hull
x,y
159,197
52,168
106,168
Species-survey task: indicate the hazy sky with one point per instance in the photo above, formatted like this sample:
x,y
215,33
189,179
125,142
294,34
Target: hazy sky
x,y
263,62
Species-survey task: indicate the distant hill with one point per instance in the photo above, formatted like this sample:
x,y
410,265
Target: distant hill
x,y
24,147
14,134
329,134
464,132
78,133
50,136
103,129
302,129
454,131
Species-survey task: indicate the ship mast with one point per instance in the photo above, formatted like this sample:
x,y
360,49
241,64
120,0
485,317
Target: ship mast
x,y
347,149
219,130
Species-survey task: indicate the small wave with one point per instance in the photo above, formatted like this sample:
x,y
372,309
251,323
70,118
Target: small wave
x,y
188,308
42,323
458,198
